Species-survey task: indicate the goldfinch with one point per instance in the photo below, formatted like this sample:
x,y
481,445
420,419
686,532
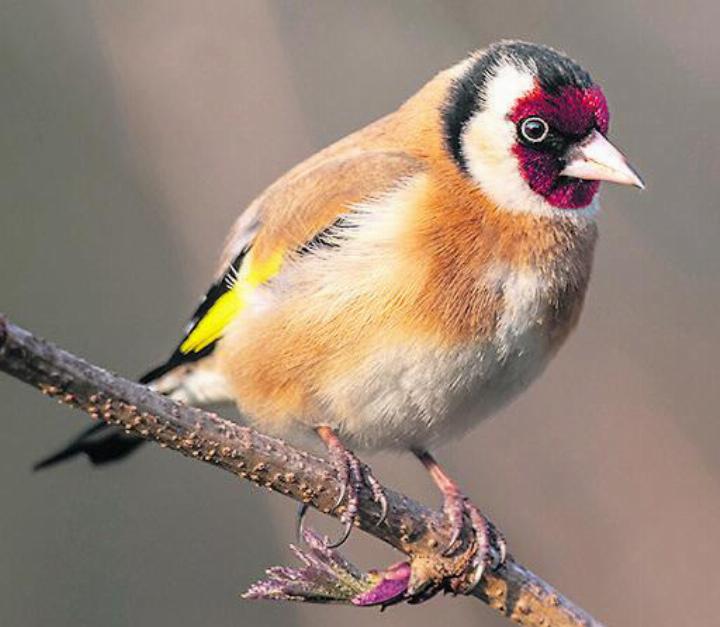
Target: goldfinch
x,y
404,283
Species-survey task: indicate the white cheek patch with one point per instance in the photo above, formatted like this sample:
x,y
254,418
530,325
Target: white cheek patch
x,y
487,144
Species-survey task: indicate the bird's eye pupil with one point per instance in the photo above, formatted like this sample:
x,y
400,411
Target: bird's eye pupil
x,y
534,130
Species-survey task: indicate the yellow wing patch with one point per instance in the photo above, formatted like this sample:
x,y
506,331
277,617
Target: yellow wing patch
x,y
212,325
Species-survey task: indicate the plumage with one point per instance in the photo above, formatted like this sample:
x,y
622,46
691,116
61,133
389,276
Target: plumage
x,y
409,280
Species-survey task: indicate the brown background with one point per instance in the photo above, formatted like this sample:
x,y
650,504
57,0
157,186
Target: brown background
x,y
131,134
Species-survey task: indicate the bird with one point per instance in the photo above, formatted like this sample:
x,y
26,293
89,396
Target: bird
x,y
403,284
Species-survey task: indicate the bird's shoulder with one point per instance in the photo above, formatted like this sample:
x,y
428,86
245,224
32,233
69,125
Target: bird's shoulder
x,y
299,206
295,211
362,165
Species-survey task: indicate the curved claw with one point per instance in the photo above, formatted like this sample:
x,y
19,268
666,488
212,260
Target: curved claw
x,y
488,548
341,496
479,570
378,494
503,553
383,511
300,518
499,545
344,537
452,542
352,476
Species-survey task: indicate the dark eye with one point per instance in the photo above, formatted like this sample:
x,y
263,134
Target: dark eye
x,y
534,130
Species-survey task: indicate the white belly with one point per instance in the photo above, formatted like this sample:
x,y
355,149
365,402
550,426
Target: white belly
x,y
420,395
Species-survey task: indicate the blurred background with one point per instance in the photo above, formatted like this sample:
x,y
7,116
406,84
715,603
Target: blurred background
x,y
132,132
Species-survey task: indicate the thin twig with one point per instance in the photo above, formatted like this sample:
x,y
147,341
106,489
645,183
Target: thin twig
x,y
410,527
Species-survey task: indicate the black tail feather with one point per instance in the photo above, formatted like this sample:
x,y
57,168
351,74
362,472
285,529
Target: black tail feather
x,y
101,443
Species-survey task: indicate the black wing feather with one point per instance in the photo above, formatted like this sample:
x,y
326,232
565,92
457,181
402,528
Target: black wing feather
x,y
104,444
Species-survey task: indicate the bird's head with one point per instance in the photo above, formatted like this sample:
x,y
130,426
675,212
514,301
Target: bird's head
x,y
529,126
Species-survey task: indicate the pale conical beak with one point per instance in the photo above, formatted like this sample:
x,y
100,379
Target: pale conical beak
x,y
596,159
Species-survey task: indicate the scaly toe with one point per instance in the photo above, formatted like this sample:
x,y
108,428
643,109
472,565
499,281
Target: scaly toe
x,y
341,466
347,468
488,545
353,476
491,547
378,494
454,508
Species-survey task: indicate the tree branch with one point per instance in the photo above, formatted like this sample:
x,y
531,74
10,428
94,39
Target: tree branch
x,y
410,527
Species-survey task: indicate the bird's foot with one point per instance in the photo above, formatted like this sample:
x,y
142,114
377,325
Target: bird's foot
x,y
487,544
327,577
474,542
353,476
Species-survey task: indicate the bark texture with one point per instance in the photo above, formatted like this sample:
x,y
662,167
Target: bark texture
x,y
410,527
